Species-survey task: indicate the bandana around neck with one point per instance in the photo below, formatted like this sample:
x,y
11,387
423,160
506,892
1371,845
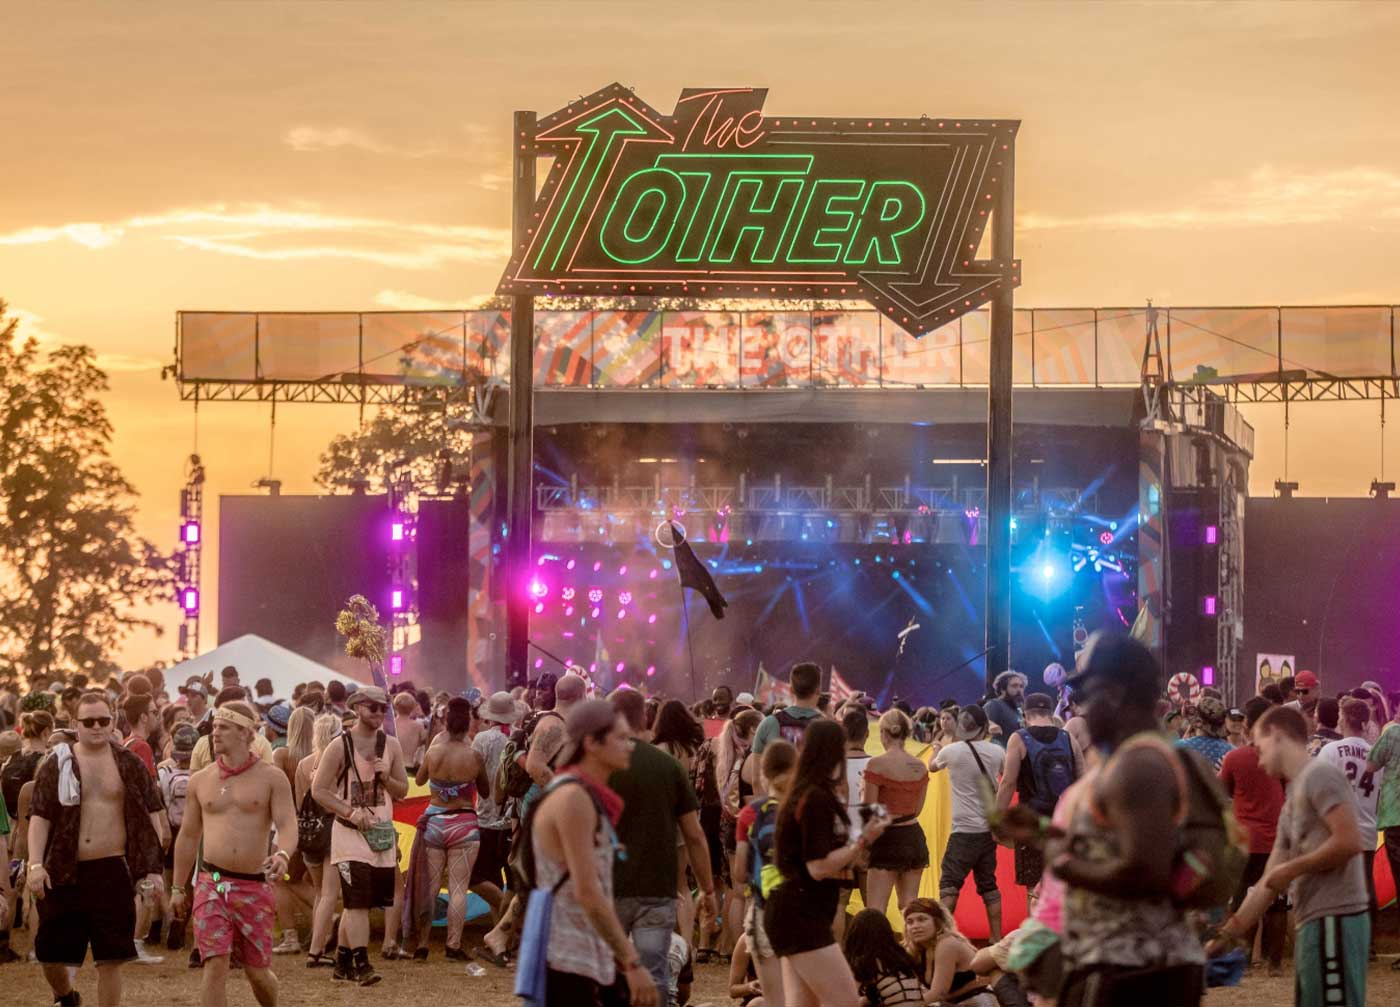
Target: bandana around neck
x,y
610,800
226,771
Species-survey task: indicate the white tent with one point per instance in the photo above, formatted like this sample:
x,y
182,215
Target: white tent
x,y
254,658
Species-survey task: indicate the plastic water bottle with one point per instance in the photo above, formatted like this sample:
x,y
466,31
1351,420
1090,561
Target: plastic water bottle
x,y
474,970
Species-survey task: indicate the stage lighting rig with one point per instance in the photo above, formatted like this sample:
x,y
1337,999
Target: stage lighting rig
x,y
1285,490
1380,490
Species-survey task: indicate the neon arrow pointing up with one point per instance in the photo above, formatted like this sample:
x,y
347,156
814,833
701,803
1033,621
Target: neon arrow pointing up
x,y
600,137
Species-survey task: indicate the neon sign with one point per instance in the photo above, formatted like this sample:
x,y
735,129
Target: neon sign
x,y
719,200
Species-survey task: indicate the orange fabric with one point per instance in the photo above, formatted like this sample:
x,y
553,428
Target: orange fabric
x,y
900,797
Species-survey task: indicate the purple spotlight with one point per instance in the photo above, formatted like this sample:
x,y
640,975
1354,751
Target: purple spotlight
x,y
1207,675
539,662
622,570
539,607
651,670
1212,534
396,531
597,567
620,666
595,594
396,599
538,588
651,619
1209,604
189,600
625,597
569,565
622,613
568,594
595,613
652,575
593,668
569,610
189,533
396,664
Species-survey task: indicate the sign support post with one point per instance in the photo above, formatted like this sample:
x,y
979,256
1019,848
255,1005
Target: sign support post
x,y
521,463
999,394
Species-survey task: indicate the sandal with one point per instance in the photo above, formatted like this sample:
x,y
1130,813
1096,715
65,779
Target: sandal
x,y
421,954
394,953
320,960
490,957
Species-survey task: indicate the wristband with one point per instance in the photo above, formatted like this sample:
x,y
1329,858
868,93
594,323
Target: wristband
x,y
286,857
177,889
39,864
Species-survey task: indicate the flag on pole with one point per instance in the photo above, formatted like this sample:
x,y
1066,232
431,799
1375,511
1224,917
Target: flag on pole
x,y
694,575
768,690
840,690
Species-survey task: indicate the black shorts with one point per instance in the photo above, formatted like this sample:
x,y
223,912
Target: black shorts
x,y
99,909
1030,865
490,865
363,886
974,852
900,848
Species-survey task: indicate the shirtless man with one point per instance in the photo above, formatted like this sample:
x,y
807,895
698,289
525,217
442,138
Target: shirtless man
x,y
92,827
232,805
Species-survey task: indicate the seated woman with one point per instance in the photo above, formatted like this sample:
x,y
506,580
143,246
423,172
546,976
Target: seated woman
x,y
899,781
944,956
885,972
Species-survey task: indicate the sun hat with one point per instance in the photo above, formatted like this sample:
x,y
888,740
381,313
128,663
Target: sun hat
x,y
500,709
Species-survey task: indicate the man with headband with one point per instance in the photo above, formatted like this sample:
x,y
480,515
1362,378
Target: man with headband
x,y
232,806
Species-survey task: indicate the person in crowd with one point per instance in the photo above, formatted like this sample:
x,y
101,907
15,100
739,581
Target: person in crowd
x,y
898,781
1125,940
499,715
723,699
1327,715
35,726
92,831
358,780
1383,761
1272,693
753,853
1307,690
1042,760
574,843
1316,858
142,722
973,766
203,754
1257,798
744,984
142,719
410,729
856,725
275,720
1209,742
263,693
943,956
792,721
660,813
314,841
885,972
812,852
1004,708
232,808
731,749
196,695
447,834
947,732
547,736
678,734
1351,756
1236,733
173,781
292,891
337,697
1380,710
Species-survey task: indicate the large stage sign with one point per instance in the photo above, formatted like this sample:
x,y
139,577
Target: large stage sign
x,y
718,200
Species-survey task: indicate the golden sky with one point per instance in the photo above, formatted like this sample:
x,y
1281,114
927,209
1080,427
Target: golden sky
x,y
335,155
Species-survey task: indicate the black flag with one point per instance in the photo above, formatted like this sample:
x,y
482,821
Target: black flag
x,y
694,575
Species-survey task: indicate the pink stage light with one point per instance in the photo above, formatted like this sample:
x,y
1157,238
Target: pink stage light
x,y
538,588
595,613
595,594
1209,604
569,610
396,531
625,597
1212,534
652,575
396,664
568,594
1207,675
539,608
396,599
620,666
189,600
651,670
539,662
622,570
597,567
622,613
569,565
189,533
651,619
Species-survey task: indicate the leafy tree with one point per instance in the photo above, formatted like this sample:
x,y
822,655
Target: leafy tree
x,y
72,565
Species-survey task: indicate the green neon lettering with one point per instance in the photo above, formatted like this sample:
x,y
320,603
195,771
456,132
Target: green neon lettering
x,y
704,223
768,224
900,208
617,237
614,123
807,240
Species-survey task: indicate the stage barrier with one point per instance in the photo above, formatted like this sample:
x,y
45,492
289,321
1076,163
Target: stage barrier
x,y
1052,347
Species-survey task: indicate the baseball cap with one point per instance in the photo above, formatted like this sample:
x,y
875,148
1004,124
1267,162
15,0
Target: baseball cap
x,y
184,738
744,699
196,686
972,721
1119,658
1038,702
277,715
1305,680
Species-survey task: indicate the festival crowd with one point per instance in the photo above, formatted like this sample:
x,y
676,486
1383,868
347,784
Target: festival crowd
x,y
619,841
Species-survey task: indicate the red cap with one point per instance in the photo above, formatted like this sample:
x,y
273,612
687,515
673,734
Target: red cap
x,y
1305,679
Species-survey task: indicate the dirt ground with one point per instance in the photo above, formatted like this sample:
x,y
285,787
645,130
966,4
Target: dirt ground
x,y
441,983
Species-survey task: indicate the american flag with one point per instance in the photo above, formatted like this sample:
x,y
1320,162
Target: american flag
x,y
840,690
768,690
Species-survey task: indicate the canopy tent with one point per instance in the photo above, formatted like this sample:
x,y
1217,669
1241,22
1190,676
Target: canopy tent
x,y
254,658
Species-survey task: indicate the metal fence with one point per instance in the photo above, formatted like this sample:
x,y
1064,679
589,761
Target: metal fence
x,y
1084,347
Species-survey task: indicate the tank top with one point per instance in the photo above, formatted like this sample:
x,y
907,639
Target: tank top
x,y
347,844
574,945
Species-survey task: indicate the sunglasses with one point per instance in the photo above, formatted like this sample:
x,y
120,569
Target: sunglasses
x,y
91,722
374,707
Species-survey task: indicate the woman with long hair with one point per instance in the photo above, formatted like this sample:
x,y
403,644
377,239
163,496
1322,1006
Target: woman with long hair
x,y
326,884
947,732
899,781
677,733
813,851
448,834
292,891
886,973
943,955
731,748
753,860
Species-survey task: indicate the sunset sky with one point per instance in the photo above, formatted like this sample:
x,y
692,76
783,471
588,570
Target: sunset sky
x,y
335,155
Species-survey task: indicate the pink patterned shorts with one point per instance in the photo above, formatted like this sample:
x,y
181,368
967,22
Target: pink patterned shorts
x,y
234,917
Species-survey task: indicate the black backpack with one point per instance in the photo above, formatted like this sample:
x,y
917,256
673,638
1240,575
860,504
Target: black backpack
x,y
512,781
1050,767
792,729
523,852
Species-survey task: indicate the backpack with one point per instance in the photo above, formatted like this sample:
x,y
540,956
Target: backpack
x,y
175,785
313,827
512,781
523,863
1212,848
763,869
703,778
792,729
1051,770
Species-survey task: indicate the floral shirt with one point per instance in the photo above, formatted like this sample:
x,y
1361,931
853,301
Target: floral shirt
x,y
1386,754
141,799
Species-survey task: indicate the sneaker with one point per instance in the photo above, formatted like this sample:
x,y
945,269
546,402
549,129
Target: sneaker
x,y
289,945
144,957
